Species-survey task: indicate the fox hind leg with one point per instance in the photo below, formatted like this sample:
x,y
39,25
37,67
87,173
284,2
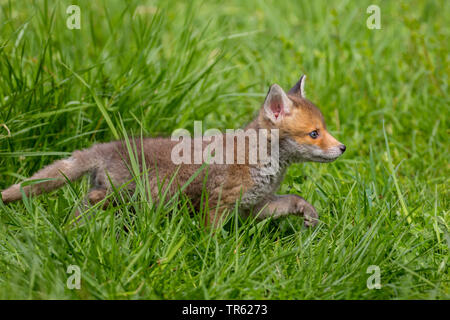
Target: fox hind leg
x,y
94,196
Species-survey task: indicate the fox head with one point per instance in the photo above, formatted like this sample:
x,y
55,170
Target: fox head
x,y
300,123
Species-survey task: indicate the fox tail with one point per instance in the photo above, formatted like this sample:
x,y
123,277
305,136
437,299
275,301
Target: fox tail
x,y
55,175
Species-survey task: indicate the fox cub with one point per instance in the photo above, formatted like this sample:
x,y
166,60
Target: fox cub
x,y
302,136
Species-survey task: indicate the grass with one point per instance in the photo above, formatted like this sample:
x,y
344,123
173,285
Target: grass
x,y
155,66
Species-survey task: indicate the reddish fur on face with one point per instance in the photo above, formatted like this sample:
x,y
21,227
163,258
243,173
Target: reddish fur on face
x,y
304,118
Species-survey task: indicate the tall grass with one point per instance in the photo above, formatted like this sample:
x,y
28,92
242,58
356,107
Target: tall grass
x,y
149,67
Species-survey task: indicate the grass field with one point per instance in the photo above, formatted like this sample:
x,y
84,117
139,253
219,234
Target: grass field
x,y
159,65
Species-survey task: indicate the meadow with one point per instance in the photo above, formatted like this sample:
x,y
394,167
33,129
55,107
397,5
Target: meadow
x,y
150,67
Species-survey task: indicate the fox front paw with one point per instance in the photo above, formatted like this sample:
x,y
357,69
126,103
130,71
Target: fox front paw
x,y
309,213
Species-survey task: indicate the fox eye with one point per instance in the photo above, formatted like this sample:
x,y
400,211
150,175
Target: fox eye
x,y
314,134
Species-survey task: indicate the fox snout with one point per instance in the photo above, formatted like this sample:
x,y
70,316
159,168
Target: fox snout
x,y
324,149
330,154
329,149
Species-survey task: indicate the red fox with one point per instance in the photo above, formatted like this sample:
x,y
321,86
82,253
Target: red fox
x,y
301,136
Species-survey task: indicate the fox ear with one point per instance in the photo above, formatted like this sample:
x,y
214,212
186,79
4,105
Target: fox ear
x,y
277,105
299,88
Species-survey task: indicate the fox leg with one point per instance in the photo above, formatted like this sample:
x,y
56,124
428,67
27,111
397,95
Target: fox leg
x,y
282,205
95,195
99,189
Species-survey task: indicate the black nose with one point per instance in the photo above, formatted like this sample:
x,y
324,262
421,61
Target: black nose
x,y
342,147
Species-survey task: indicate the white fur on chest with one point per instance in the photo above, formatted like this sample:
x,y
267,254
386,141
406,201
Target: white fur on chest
x,y
264,186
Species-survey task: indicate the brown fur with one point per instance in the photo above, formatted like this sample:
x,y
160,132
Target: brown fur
x,y
292,114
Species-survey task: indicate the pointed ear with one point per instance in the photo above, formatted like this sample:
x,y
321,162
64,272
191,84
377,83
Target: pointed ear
x,y
277,105
299,88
